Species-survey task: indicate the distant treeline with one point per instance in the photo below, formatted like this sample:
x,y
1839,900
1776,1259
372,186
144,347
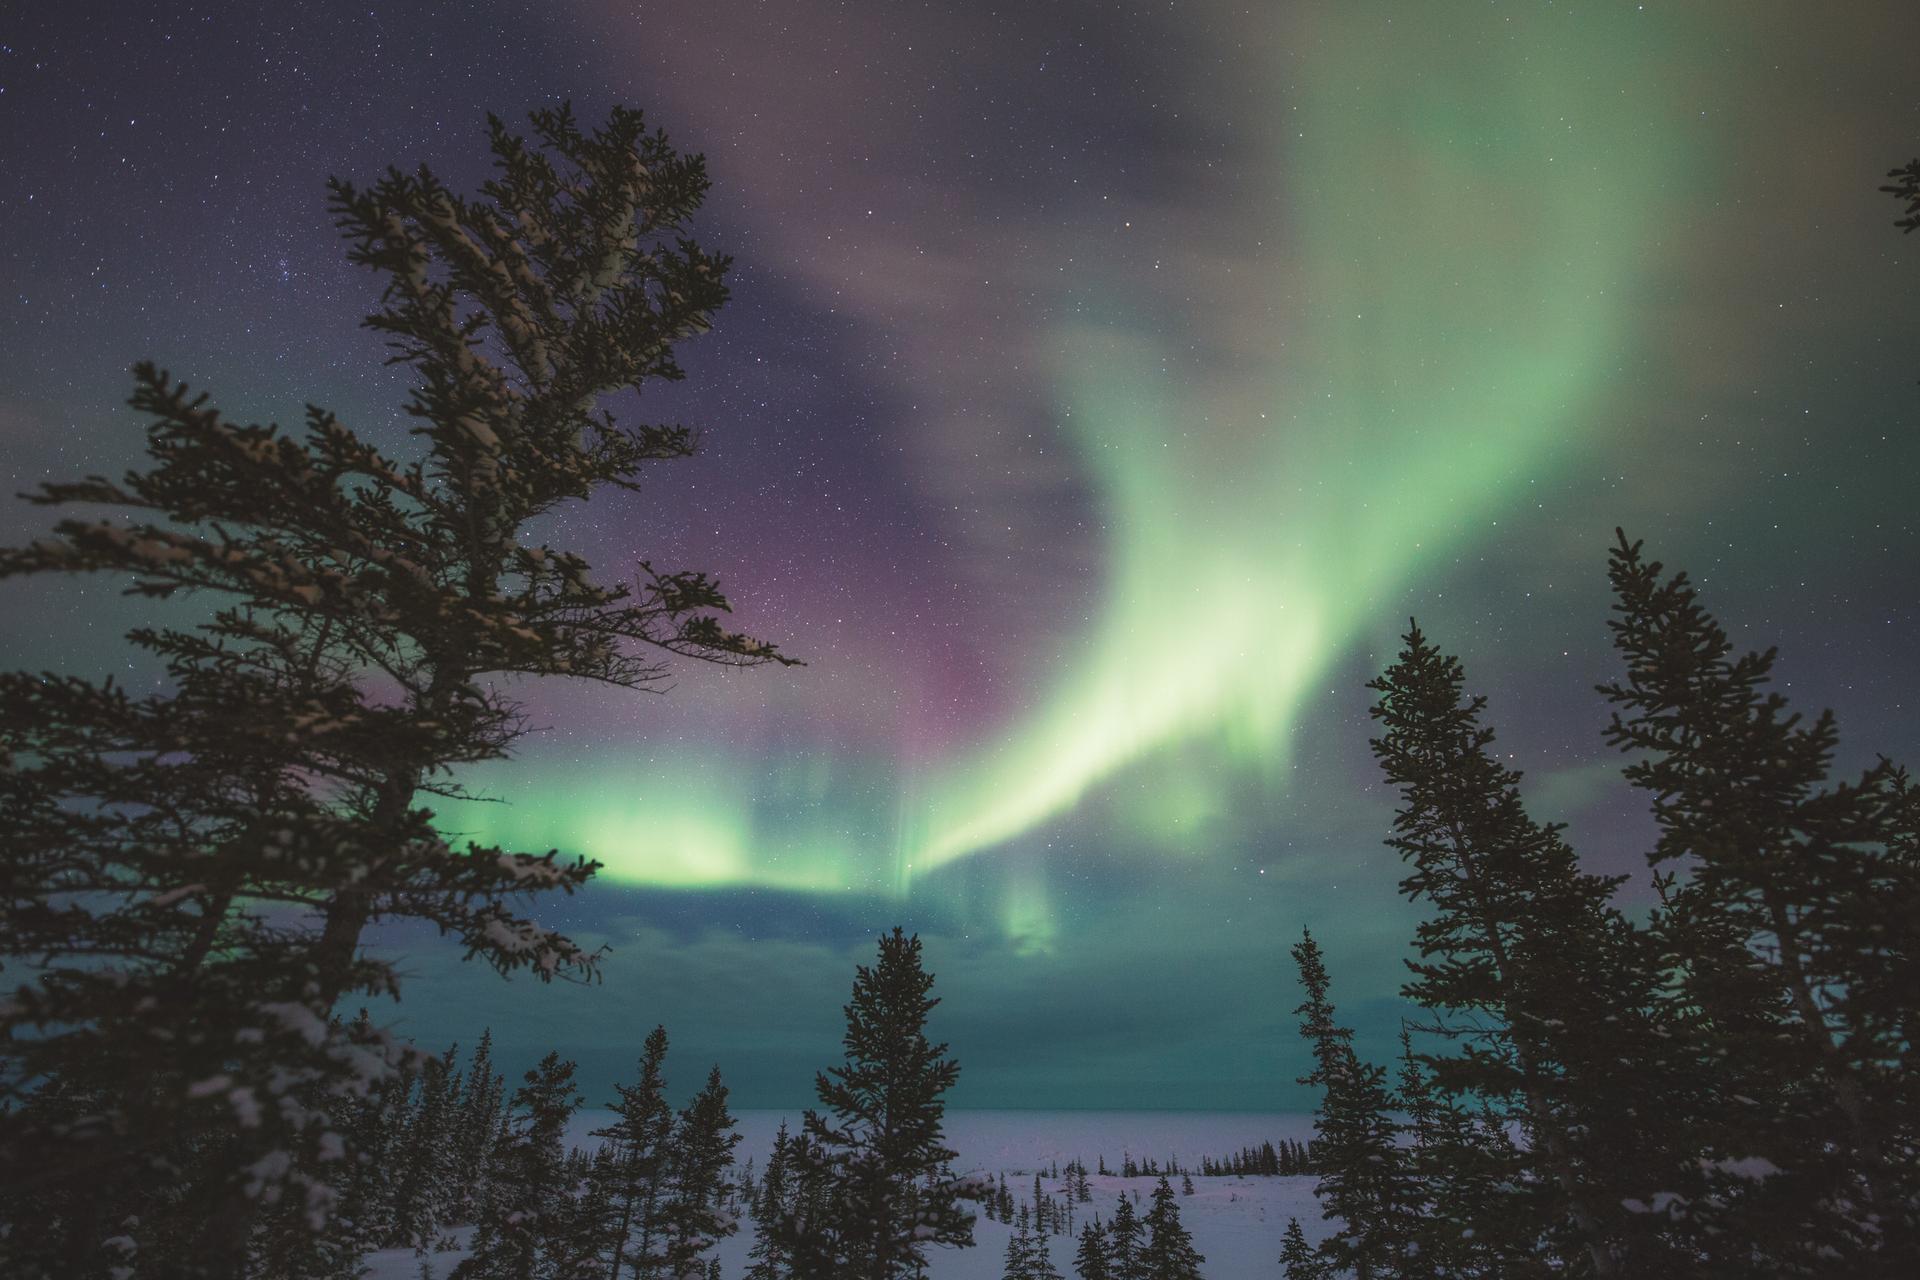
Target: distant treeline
x,y
1268,1159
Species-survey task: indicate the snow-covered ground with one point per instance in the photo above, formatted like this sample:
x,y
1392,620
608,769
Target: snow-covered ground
x,y
1236,1222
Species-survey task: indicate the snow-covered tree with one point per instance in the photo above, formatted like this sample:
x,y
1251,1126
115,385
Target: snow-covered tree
x,y
149,985
360,1173
1028,1256
424,1156
1090,1260
1169,1253
768,1257
192,872
1468,1212
1042,1265
1019,1262
745,1188
1124,1242
635,1178
694,1217
476,1122
530,1226
877,1142
1298,1259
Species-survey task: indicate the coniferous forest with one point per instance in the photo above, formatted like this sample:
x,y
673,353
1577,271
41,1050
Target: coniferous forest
x,y
217,875
1722,1088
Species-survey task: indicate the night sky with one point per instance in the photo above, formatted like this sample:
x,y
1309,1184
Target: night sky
x,y
1103,387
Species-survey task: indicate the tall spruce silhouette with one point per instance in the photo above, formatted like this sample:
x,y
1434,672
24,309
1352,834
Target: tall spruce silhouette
x,y
1518,953
695,1214
1298,1259
635,1176
1788,921
1362,1182
1169,1253
876,1143
364,602
529,1227
1090,1259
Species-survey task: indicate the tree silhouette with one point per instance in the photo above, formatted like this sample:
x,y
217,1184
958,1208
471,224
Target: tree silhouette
x,y
1792,935
1362,1181
193,871
876,1143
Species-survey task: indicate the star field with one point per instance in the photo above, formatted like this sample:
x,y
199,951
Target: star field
x,y
1103,387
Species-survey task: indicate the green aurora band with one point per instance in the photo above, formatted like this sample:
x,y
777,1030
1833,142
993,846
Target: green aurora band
x,y
1467,247
1463,205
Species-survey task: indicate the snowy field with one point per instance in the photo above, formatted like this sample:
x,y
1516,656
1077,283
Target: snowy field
x,y
1235,1222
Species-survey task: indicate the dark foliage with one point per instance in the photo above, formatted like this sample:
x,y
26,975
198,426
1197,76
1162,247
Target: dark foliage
x,y
190,873
1906,186
1726,1091
875,1147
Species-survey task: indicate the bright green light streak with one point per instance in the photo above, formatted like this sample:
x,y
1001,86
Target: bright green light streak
x,y
1474,202
1465,206
684,826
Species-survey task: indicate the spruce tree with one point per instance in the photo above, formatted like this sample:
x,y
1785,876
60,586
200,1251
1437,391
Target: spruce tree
x,y
366,603
589,1216
152,988
363,1168
357,1174
1299,1260
746,1187
1169,1253
803,1230
1019,1261
528,1228
476,1120
1362,1180
636,1178
1790,939
425,1155
1535,982
1090,1260
877,1141
1124,1244
694,1217
1462,1183
1040,1264
769,1257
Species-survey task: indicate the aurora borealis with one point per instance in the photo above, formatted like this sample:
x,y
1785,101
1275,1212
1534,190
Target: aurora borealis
x,y
1104,386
